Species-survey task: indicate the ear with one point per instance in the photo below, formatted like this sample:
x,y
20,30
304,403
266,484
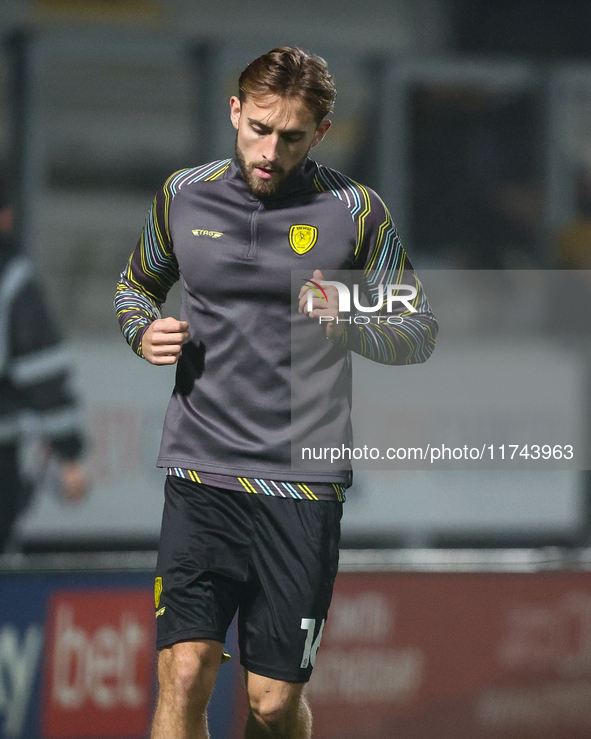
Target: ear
x,y
321,131
235,111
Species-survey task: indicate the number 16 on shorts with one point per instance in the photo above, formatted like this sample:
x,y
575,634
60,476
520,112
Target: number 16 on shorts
x,y
311,645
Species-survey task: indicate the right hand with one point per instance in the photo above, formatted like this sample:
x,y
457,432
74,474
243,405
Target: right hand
x,y
163,340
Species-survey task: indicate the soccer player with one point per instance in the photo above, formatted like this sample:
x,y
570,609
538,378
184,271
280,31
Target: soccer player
x,y
241,529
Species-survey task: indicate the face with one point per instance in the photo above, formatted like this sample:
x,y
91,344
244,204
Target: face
x,y
274,137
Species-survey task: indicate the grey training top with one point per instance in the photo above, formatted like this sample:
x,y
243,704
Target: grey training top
x,y
231,408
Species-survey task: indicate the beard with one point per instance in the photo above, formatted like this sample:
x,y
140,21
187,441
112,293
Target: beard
x,y
265,188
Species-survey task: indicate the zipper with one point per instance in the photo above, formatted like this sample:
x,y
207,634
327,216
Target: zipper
x,y
254,231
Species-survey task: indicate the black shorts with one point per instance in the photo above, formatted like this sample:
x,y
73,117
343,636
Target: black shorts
x,y
272,559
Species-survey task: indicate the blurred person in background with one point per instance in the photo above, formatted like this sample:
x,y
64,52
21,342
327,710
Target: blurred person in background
x,y
38,415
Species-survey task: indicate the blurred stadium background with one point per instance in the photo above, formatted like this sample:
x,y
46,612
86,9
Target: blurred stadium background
x,y
472,119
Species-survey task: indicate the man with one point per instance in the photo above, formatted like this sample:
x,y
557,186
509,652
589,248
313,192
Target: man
x,y
241,529
34,380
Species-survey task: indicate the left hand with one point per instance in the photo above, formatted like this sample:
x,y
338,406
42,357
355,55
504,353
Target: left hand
x,y
74,481
323,307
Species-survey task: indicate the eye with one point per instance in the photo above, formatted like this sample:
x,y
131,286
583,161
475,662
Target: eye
x,y
292,138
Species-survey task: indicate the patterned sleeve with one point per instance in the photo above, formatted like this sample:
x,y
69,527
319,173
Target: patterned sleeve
x,y
150,273
383,261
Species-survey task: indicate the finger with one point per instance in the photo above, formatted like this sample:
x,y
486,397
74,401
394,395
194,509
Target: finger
x,y
303,306
302,298
315,303
316,276
172,329
181,327
319,314
166,349
166,359
317,296
171,325
169,338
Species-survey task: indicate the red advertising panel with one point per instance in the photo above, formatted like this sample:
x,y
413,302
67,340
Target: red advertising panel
x,y
100,664
455,656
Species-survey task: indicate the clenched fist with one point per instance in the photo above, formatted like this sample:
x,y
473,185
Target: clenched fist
x,y
163,340
327,307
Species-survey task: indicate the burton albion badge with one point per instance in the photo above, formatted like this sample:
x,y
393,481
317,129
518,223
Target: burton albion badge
x,y
302,238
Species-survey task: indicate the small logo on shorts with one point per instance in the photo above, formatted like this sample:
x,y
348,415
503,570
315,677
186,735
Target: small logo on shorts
x,y
204,232
157,591
302,238
160,611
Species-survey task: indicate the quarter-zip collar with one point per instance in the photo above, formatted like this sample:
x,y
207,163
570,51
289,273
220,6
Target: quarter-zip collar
x,y
298,184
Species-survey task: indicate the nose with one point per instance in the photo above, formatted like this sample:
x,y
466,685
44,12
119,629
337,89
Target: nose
x,y
270,148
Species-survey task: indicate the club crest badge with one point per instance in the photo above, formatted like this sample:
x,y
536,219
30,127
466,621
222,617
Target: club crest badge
x,y
302,238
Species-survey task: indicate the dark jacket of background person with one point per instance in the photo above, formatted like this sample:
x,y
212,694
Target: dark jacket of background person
x,y
35,397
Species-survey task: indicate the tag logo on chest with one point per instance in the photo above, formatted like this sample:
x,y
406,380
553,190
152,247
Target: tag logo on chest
x,y
209,234
302,238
